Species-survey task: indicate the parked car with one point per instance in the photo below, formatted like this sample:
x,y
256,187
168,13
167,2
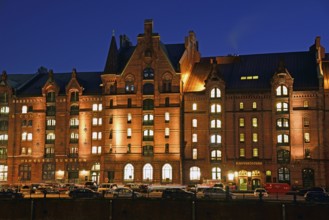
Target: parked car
x,y
217,193
125,192
26,189
91,185
220,185
84,193
133,186
107,187
177,193
50,190
257,191
302,192
316,196
9,193
192,188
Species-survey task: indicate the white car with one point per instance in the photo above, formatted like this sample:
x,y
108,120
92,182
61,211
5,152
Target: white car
x,y
107,187
257,191
124,192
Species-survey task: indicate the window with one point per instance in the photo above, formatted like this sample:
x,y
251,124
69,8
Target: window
x,y
51,124
148,104
242,152
148,73
74,151
3,172
254,137
194,106
97,135
24,109
283,139
167,117
74,110
167,173
148,119
305,104
306,122
50,138
129,118
194,154
215,139
3,153
254,105
216,173
255,152
128,172
26,136
148,89
167,148
74,96
281,91
283,156
72,172
254,122
241,137
3,139
50,97
166,85
148,150
24,172
74,123
23,150
241,106
96,149
167,132
216,155
4,98
130,88
129,148
241,122
282,123
215,93
194,123
129,103
307,137
282,107
51,110
4,125
307,153
216,123
128,132
49,152
4,110
284,175
48,171
148,135
29,123
167,102
147,172
97,107
195,173
216,108
97,121
194,138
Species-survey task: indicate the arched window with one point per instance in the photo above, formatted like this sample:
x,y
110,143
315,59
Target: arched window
x,y
148,73
216,139
283,156
216,123
147,172
216,173
282,123
148,135
166,82
74,123
281,90
284,175
128,172
216,108
216,155
215,93
195,173
129,84
283,139
167,173
51,97
74,96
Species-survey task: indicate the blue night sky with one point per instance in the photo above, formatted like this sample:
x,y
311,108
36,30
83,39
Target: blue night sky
x,y
66,34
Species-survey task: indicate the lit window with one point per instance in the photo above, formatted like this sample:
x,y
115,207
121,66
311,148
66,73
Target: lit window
x,y
216,139
167,117
4,110
283,139
254,105
24,109
195,173
194,106
3,137
51,136
215,93
167,172
73,122
281,91
255,152
129,118
97,135
241,137
97,121
194,138
24,136
241,122
194,154
195,123
96,150
3,172
148,119
241,106
128,172
307,137
282,123
215,123
216,173
254,137
284,175
242,152
254,122
128,132
167,131
147,172
216,155
305,104
97,107
281,107
216,108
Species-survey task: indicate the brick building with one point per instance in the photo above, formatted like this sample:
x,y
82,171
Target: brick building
x,y
161,113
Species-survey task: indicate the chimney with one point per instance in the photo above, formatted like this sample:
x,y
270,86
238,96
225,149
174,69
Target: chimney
x,y
148,27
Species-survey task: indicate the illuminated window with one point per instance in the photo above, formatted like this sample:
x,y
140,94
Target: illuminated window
x,y
307,137
74,122
282,123
23,150
167,131
129,87
281,107
3,137
4,110
97,107
241,122
255,152
281,91
216,139
194,138
167,117
128,132
128,172
148,73
97,135
254,122
284,175
242,152
24,171
194,154
283,139
254,137
3,172
96,150
254,105
216,108
147,172
241,106
148,135
194,106
305,104
194,123
216,123
24,109
167,172
216,155
129,118
148,119
215,93
97,121
241,137
27,136
195,173
48,171
216,173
